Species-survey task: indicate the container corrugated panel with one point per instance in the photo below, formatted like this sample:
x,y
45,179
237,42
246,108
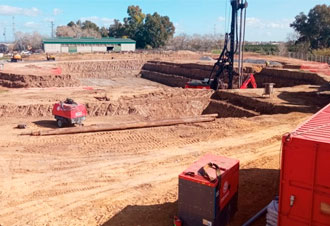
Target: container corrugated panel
x,y
305,173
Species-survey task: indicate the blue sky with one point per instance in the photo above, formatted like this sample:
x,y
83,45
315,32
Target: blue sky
x,y
267,20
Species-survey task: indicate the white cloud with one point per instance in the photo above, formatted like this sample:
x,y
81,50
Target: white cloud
x,y
221,19
258,23
31,25
100,21
49,19
57,11
7,10
178,28
258,29
252,21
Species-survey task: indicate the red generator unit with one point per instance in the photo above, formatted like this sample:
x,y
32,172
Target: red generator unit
x,y
305,174
69,113
208,191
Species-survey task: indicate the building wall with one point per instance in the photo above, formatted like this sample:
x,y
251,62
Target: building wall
x,y
84,48
127,47
99,48
52,48
64,48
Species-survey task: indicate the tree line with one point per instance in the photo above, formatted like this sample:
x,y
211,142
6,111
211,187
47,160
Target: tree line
x,y
156,31
148,30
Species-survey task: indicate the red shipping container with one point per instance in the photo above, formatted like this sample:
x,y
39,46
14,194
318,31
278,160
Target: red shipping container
x,y
305,173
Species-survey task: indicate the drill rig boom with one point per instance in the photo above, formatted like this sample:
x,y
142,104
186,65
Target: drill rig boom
x,y
225,62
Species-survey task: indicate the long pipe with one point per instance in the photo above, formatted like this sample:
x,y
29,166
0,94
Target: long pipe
x,y
255,217
234,4
123,126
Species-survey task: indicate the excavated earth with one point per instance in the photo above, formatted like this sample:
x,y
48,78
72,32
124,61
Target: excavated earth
x,y
130,177
178,74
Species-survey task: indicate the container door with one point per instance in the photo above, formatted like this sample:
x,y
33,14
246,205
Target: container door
x,y
321,198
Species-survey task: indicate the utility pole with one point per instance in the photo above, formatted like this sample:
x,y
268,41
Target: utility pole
x,y
14,28
52,26
4,35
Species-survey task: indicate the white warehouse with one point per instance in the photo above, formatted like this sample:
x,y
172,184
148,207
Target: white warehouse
x,y
87,45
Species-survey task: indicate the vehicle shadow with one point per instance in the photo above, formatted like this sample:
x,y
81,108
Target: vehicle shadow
x,y
151,215
257,187
46,123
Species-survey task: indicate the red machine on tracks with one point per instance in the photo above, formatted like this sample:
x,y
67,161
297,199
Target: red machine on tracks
x,y
69,113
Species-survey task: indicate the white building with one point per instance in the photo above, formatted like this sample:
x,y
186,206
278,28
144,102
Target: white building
x,y
87,45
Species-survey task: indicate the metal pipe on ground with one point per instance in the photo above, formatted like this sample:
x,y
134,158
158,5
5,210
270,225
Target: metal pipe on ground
x,y
255,217
123,126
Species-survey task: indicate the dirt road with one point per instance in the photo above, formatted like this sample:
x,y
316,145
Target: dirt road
x,y
128,177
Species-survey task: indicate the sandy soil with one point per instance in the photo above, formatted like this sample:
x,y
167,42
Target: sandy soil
x,y
127,177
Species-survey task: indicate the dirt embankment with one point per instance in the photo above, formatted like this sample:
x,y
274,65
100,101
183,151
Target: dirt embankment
x,y
61,74
143,55
289,77
178,74
153,105
11,80
102,69
174,74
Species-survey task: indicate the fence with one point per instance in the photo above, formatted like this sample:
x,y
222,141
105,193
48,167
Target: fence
x,y
308,57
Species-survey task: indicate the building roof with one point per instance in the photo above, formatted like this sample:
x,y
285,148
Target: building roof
x,y
67,40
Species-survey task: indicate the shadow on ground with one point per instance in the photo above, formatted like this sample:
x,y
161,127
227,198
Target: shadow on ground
x,y
313,100
46,123
257,188
152,215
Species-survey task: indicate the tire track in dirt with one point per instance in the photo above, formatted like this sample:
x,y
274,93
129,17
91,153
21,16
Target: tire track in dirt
x,y
79,181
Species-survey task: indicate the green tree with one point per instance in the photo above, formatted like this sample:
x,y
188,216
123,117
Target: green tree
x,y
78,23
148,31
314,28
156,31
133,23
71,24
104,32
117,29
86,25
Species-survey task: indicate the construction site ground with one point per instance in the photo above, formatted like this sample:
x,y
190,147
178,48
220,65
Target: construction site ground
x,y
130,177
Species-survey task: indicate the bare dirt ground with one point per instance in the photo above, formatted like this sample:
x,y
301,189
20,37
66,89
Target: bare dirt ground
x,y
127,177
90,179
